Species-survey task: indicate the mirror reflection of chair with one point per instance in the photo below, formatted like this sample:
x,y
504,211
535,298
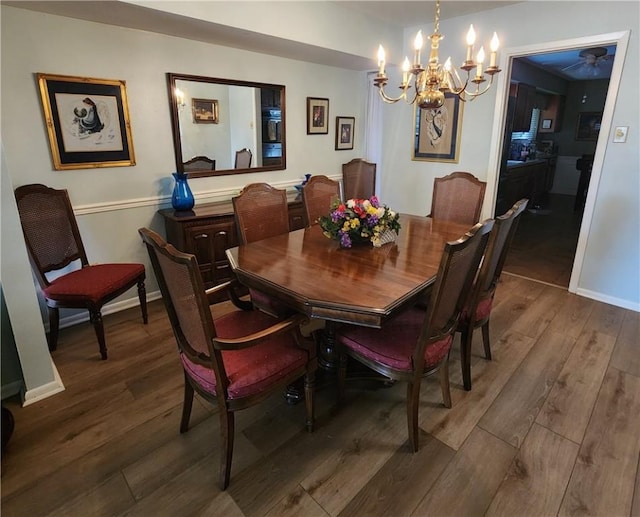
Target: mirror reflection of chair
x,y
458,197
55,246
358,179
260,212
199,163
478,311
416,343
243,159
233,361
317,195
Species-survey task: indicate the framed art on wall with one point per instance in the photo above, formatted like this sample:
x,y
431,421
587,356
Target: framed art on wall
x,y
437,131
344,133
317,116
87,121
205,111
588,126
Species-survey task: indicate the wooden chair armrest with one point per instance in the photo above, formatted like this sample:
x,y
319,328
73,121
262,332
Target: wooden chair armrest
x,y
291,323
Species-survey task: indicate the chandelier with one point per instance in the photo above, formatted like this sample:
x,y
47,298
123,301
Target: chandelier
x,y
431,82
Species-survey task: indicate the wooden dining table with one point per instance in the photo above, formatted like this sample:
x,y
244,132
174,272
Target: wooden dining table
x,y
361,285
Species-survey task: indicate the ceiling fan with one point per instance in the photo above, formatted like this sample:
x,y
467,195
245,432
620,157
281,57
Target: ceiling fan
x,y
589,63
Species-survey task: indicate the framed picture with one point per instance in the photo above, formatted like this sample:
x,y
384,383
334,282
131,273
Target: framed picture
x,y
317,116
546,123
437,131
588,126
205,111
87,120
344,133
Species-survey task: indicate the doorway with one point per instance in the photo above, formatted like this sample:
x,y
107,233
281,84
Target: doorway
x,y
551,238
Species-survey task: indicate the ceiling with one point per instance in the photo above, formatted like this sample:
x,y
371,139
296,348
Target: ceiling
x,y
398,13
569,65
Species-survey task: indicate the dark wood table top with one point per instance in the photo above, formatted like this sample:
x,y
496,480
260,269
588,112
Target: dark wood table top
x,y
361,285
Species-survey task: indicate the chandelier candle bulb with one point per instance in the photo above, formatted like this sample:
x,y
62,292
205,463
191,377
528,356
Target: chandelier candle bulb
x,y
480,60
471,39
406,66
380,60
417,44
495,43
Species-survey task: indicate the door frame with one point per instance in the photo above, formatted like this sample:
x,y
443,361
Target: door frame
x,y
621,40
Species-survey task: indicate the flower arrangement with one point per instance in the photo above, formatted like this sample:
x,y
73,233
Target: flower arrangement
x,y
360,220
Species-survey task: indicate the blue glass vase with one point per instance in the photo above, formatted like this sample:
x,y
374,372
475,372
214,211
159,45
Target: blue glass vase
x,y
182,197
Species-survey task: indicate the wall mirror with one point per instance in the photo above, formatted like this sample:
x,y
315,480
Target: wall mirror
x,y
223,126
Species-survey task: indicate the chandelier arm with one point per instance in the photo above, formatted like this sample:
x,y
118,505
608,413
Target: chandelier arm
x,y
391,100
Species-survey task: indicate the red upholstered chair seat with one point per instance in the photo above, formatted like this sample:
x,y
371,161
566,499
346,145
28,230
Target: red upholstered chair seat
x,y
483,310
92,283
394,344
254,369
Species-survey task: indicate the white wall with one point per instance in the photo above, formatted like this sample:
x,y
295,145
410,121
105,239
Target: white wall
x,y
611,269
113,202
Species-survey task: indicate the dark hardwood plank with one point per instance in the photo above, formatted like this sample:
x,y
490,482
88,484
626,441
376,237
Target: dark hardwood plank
x,y
110,443
515,409
603,482
471,479
537,478
568,407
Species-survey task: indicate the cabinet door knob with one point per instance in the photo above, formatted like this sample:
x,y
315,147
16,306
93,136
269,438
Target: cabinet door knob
x,y
202,236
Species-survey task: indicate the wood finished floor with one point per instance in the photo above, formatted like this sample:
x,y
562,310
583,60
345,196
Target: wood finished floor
x,y
551,427
545,244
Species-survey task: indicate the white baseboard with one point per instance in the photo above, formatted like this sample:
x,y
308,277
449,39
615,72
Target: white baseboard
x,y
44,391
611,300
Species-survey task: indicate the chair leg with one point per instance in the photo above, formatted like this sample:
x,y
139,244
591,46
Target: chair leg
x,y
96,319
342,376
309,389
187,404
142,296
227,425
466,339
413,401
54,325
485,340
444,383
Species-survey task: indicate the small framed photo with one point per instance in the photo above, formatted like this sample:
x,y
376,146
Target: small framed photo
x,y
546,123
317,116
344,133
437,131
588,127
87,120
205,111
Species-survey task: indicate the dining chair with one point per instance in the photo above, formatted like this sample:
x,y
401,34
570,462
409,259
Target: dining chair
x,y
199,163
317,196
358,179
458,197
416,343
478,310
234,361
60,263
260,212
243,159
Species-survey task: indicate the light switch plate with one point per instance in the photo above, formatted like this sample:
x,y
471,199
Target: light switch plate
x,y
620,134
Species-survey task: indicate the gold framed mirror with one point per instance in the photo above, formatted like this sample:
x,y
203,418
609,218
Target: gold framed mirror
x,y
212,119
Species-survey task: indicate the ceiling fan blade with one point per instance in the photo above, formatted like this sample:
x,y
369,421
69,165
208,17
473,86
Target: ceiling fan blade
x,y
571,66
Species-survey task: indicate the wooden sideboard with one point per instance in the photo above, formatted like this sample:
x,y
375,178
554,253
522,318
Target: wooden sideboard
x,y
209,229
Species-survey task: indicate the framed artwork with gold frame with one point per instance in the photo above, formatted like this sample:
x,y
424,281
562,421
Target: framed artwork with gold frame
x,y
437,131
87,121
205,111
